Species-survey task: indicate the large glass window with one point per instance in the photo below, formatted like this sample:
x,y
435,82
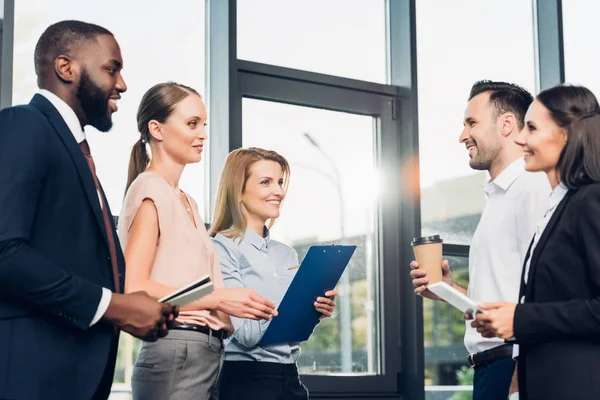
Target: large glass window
x,y
336,37
147,36
331,199
461,42
580,31
160,41
447,374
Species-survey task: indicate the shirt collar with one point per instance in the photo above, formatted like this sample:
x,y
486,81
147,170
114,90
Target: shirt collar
x,y
557,195
507,177
67,114
256,240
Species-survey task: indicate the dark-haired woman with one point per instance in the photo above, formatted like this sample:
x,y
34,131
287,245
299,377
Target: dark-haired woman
x,y
557,321
166,247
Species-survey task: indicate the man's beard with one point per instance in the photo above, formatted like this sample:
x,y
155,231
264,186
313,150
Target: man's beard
x,y
94,103
484,158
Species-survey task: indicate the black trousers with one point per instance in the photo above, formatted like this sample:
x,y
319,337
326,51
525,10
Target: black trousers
x,y
492,381
254,380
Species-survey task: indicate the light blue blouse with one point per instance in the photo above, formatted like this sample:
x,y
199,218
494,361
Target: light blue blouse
x,y
262,264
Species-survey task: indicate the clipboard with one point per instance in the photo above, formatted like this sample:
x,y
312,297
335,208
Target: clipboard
x,y
319,272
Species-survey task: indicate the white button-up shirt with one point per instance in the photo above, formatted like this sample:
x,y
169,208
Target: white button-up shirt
x,y
558,194
70,118
556,197
516,201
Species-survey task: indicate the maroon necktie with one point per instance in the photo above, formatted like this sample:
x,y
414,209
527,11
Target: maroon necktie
x,y
85,147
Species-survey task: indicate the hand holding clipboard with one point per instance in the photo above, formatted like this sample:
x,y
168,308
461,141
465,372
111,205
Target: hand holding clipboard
x,y
319,272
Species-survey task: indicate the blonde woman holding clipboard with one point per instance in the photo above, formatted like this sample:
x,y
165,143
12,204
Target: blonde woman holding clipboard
x,y
252,188
167,247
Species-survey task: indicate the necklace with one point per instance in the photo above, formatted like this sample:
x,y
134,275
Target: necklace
x,y
183,198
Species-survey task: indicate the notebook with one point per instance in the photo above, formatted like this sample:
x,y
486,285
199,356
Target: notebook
x,y
189,293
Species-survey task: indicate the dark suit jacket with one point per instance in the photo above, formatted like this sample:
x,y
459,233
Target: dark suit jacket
x,y
558,327
54,260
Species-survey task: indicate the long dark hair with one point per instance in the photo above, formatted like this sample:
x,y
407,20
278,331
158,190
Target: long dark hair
x,y
157,104
576,109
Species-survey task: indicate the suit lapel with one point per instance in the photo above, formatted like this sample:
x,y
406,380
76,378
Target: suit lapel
x,y
81,165
546,234
523,286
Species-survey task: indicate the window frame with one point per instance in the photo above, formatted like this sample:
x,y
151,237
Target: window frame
x,y
284,85
6,53
549,68
231,79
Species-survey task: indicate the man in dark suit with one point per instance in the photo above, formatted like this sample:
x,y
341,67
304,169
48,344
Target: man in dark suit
x,y
61,267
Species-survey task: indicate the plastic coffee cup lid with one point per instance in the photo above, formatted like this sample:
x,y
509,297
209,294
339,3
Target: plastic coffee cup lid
x,y
426,240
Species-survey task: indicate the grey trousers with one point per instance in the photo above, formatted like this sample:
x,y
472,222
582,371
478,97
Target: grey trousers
x,y
182,366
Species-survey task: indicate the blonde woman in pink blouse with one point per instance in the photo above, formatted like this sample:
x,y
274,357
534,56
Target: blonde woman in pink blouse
x,y
166,247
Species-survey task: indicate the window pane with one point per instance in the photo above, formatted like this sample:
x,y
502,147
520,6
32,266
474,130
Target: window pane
x,y
336,37
445,353
149,58
582,60
461,42
332,159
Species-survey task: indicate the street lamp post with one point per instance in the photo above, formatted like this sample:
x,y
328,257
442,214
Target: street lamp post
x,y
344,299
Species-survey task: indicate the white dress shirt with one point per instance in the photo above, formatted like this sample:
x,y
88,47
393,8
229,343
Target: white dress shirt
x,y
70,118
516,201
556,197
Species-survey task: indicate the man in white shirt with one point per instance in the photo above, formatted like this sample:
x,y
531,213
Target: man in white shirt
x,y
516,201
61,267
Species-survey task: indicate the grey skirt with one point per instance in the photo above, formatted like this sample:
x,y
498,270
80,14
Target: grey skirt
x,y
184,365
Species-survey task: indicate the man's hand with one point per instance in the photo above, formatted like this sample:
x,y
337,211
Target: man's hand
x,y
244,303
141,315
326,305
420,279
498,321
484,328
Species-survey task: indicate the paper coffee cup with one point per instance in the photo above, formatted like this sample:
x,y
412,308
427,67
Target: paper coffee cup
x,y
428,253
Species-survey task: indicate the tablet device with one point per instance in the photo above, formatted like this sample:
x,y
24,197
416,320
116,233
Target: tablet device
x,y
455,297
319,272
189,293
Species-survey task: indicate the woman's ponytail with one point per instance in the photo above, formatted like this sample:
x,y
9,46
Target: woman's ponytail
x,y
138,161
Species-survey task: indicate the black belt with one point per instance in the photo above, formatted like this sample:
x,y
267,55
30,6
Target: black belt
x,y
489,356
259,368
220,334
